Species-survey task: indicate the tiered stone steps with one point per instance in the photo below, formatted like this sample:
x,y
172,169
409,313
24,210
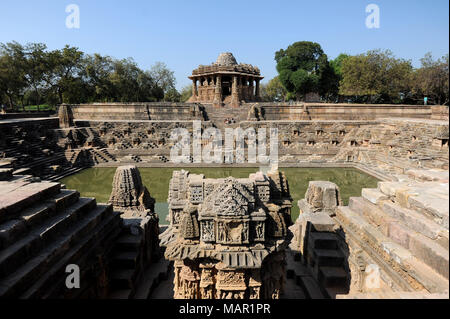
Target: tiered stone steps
x,y
303,278
42,230
217,115
126,266
328,263
405,225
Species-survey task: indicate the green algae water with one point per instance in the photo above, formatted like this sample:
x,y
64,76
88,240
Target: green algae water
x,y
97,182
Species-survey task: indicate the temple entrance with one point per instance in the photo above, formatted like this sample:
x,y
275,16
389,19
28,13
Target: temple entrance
x,y
226,86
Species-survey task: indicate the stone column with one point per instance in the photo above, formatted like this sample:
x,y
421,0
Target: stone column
x,y
194,90
252,90
234,92
257,97
218,92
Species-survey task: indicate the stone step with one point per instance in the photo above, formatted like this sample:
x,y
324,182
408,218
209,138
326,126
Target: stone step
x,y
428,198
335,292
371,213
332,276
21,196
128,241
328,257
395,222
323,240
433,205
12,230
125,259
409,229
392,252
31,244
423,248
310,287
373,195
23,171
414,220
29,272
6,174
123,279
83,251
152,278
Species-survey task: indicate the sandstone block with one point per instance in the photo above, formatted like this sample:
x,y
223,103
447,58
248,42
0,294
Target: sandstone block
x,y
373,195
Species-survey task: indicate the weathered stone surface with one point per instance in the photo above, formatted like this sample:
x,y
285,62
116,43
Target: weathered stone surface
x,y
322,196
429,175
129,194
227,236
65,116
42,230
373,195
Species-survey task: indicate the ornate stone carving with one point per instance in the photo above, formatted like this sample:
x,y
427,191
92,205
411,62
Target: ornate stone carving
x,y
223,235
128,193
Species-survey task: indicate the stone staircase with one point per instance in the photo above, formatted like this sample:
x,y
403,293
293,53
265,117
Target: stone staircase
x,y
44,228
126,266
404,226
327,262
217,115
130,279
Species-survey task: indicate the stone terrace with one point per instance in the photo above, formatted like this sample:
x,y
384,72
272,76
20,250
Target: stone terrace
x,y
43,228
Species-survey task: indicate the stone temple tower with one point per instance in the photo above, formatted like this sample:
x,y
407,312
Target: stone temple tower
x,y
228,235
225,82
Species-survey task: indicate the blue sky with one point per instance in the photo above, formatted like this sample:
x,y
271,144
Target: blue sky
x,y
186,33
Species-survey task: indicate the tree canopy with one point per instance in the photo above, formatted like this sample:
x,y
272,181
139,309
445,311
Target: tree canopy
x,y
273,91
303,68
431,80
377,76
31,74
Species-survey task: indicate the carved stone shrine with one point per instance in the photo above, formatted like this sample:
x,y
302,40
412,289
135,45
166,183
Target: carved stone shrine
x,y
228,235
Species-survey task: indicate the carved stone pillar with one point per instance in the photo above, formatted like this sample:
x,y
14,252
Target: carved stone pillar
x,y
257,94
234,92
251,90
194,90
218,92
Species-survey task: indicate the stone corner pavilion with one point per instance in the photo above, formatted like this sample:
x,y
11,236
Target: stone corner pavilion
x,y
225,82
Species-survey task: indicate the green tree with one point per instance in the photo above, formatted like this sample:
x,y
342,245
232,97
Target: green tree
x,y
64,68
432,79
172,95
273,91
186,93
13,81
36,67
336,64
303,68
96,72
163,77
376,77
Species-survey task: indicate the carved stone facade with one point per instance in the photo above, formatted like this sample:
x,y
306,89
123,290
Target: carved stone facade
x,y
227,236
141,225
225,82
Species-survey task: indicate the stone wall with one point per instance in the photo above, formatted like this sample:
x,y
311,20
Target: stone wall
x,y
136,111
272,111
439,112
